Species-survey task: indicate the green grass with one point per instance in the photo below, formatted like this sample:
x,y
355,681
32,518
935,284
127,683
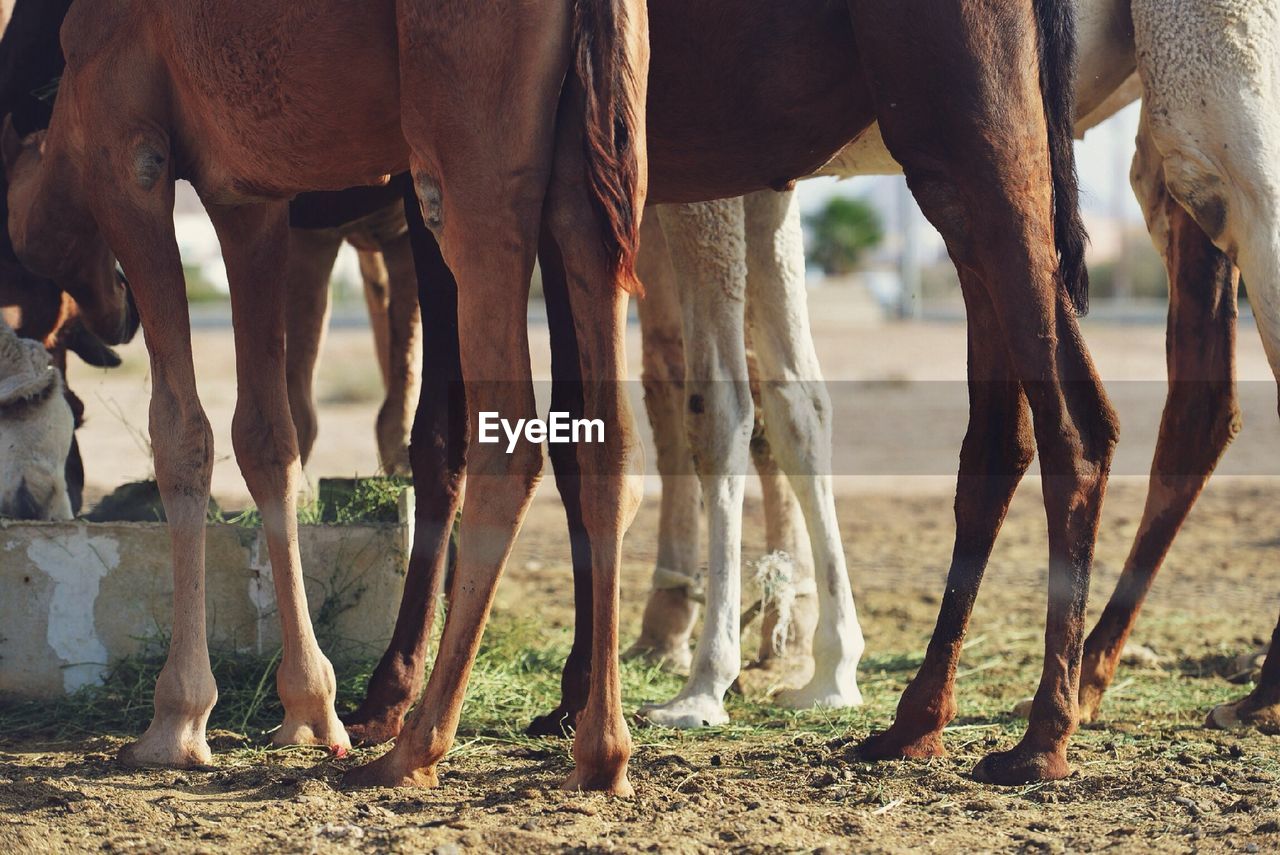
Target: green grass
x,y
517,676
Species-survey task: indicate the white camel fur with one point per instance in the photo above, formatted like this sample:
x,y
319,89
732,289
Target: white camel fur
x,y
35,431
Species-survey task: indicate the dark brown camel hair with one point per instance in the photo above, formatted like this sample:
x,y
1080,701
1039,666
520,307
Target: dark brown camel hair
x,y
511,119
957,88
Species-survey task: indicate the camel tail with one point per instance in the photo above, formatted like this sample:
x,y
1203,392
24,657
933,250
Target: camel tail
x,y
611,60
1057,26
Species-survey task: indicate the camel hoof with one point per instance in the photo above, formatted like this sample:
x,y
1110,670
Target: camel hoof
x,y
557,724
819,696
674,659
614,784
889,745
687,713
386,771
161,751
1240,716
1021,766
327,731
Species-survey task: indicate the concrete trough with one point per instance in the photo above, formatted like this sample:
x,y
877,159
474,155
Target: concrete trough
x,y
76,597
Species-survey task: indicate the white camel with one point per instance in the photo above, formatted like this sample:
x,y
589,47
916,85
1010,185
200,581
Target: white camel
x,y
758,294
35,432
1209,138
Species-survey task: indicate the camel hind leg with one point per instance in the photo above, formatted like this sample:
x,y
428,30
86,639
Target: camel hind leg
x,y
311,257
982,171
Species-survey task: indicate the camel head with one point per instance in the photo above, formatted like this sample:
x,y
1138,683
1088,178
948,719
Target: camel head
x,y
55,236
35,432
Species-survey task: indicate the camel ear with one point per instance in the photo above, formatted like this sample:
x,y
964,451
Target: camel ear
x,y
10,144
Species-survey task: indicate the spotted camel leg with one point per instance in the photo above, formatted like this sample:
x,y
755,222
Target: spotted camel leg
x,y
708,239
671,610
1201,415
437,454
311,256
981,171
254,239
141,231
786,639
797,418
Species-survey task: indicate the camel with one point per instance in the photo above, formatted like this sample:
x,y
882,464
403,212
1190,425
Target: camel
x,y
756,246
37,307
35,431
1188,139
554,105
767,137
1205,174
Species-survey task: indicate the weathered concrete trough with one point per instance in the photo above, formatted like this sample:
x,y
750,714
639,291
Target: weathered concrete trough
x,y
77,596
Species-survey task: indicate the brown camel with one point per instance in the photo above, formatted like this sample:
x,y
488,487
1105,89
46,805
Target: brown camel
x,y
957,88
509,117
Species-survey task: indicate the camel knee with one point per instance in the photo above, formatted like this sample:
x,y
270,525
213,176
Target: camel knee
x,y
265,447
184,455
719,420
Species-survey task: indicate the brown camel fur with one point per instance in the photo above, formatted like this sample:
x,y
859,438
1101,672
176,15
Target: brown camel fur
x,y
508,118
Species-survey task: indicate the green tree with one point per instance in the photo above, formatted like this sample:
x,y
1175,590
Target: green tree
x,y
842,233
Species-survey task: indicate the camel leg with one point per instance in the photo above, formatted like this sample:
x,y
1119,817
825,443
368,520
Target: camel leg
x,y
671,611
567,397
993,203
142,234
609,471
786,638
1216,138
404,356
375,279
797,418
1201,415
311,256
998,447
254,242
709,253
481,185
437,454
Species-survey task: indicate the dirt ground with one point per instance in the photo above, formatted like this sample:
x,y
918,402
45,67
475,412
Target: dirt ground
x,y
1147,774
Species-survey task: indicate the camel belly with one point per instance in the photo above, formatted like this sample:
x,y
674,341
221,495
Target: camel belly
x,y
318,81
778,95
748,95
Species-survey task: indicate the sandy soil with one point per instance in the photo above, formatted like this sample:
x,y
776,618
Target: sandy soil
x,y
1148,776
